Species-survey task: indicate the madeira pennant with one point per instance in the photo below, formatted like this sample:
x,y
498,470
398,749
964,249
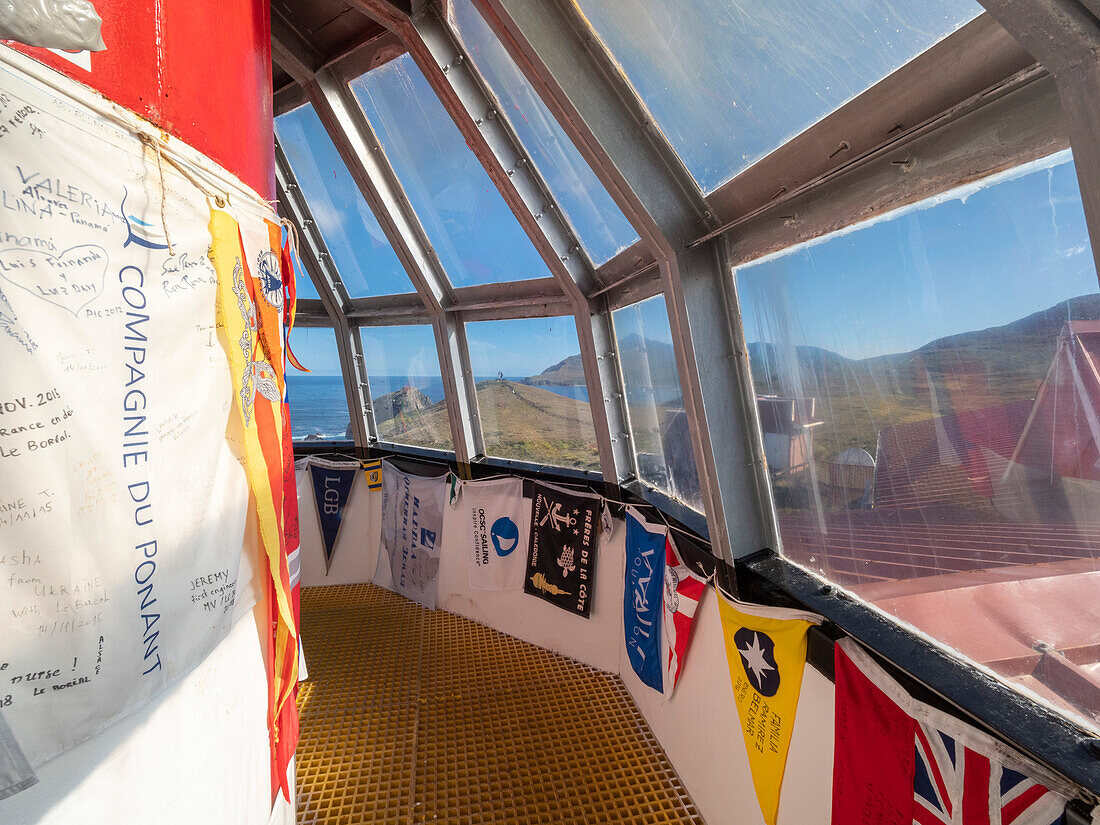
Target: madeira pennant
x,y
250,330
332,485
766,653
373,471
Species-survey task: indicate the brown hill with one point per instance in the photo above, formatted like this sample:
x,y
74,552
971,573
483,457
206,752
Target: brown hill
x,y
518,421
406,400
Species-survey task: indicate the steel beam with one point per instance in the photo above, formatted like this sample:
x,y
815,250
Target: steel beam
x,y
447,67
1064,35
592,100
354,139
1017,123
315,256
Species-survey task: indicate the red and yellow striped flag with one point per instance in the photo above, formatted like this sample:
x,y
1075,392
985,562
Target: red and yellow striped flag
x,y
251,332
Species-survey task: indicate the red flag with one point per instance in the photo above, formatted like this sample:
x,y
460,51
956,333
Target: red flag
x,y
873,751
899,761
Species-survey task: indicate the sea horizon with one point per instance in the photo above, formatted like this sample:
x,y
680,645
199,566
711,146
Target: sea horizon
x,y
318,403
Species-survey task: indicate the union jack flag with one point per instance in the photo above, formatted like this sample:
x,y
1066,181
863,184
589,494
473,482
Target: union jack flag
x,y
954,785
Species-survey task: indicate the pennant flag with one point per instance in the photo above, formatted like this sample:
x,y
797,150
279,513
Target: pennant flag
x,y
561,556
412,527
899,761
683,592
766,653
642,590
498,524
373,472
332,485
454,487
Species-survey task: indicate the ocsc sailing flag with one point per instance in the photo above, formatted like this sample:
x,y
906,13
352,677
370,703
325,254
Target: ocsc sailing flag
x,y
498,523
766,653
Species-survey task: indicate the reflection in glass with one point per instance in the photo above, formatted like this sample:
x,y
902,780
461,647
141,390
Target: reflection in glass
x,y
602,228
364,258
407,385
318,403
728,82
303,284
531,392
475,234
658,424
929,391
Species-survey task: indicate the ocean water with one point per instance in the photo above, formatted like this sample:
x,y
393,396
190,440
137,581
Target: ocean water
x,y
319,406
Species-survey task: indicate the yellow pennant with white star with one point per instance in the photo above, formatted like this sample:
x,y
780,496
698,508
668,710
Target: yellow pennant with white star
x,y
766,652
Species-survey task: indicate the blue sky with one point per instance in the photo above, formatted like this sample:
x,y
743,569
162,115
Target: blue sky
x,y
981,256
518,348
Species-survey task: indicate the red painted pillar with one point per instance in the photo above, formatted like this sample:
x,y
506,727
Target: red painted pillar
x,y
199,70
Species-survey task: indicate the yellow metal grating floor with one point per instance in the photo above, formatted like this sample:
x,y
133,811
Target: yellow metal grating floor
x,y
416,716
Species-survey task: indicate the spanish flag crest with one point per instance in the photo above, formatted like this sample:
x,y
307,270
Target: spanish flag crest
x,y
766,653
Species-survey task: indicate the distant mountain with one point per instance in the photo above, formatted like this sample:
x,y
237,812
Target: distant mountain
x,y
639,356
392,405
566,373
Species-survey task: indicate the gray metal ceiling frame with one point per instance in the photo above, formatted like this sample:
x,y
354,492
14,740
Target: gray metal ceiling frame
x,y
358,146
970,105
940,94
587,93
443,61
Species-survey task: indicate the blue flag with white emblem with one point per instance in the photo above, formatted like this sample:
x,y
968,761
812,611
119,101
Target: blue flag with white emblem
x,y
498,523
642,593
332,484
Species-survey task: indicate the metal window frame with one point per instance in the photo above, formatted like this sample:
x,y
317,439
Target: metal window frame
x,y
314,254
445,64
358,146
587,93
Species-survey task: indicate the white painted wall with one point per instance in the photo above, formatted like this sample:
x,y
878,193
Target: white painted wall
x,y
198,754
698,727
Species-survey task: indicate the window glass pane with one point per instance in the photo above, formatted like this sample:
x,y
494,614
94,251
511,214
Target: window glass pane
x,y
363,256
531,392
662,443
407,385
600,225
728,81
318,403
303,284
928,391
475,234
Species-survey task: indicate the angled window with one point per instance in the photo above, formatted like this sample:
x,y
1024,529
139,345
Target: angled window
x,y
600,225
367,263
318,401
531,392
406,386
728,82
929,396
658,424
475,234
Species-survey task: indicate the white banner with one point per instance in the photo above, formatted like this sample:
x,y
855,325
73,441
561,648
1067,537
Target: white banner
x,y
412,531
122,505
498,520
